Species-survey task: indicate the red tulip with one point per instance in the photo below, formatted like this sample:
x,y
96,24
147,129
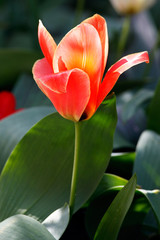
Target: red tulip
x,y
70,74
7,104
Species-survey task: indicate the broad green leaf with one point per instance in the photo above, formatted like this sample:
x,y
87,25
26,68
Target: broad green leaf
x,y
57,222
14,127
111,222
130,108
13,62
36,178
147,162
23,227
153,111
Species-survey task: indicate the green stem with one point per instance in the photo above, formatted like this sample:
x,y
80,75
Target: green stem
x,y
124,36
75,167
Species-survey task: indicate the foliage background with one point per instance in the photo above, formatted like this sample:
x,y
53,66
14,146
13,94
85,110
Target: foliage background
x,y
136,140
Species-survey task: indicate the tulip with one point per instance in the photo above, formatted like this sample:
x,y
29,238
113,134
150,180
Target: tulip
x,y
70,74
129,7
7,104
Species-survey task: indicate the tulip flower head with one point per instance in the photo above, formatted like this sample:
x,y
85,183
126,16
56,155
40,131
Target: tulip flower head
x,y
7,104
129,7
70,74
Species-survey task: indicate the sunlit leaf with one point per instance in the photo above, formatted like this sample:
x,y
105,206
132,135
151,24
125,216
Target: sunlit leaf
x,y
23,227
57,222
41,164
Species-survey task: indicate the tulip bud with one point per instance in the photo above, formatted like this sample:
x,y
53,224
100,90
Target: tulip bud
x,y
129,7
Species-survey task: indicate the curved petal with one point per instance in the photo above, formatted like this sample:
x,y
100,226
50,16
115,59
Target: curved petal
x,y
46,42
116,70
100,25
80,48
42,71
71,98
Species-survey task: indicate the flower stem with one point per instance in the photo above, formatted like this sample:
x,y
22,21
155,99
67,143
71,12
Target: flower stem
x,y
75,167
124,36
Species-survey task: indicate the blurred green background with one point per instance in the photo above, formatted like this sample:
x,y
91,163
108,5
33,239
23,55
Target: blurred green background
x,y
137,90
19,21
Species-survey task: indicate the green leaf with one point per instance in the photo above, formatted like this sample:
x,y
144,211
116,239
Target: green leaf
x,y
14,127
153,198
109,181
101,199
120,142
147,165
111,222
57,222
130,108
147,162
23,227
105,193
106,190
153,111
121,164
13,62
36,178
27,93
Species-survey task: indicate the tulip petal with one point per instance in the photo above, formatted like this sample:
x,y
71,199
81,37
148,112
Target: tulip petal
x,y
42,71
100,25
46,42
69,91
80,48
116,70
